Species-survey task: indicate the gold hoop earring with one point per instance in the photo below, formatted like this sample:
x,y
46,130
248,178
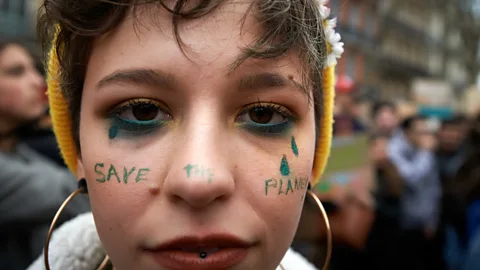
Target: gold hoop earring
x,y
327,225
82,188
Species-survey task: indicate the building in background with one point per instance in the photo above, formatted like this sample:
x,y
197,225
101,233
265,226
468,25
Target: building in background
x,y
409,47
389,44
18,20
358,25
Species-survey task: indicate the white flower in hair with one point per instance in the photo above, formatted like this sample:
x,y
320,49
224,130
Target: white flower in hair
x,y
324,12
335,47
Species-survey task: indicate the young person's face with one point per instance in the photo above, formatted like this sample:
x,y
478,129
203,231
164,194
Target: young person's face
x,y
386,120
20,86
177,146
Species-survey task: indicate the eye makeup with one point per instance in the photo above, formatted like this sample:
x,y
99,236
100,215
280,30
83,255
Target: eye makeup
x,y
136,118
266,119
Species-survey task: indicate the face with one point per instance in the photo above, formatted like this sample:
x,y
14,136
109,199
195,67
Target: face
x,y
20,86
451,136
418,131
386,120
187,158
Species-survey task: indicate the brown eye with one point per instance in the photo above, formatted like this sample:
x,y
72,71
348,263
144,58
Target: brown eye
x,y
145,112
142,110
261,115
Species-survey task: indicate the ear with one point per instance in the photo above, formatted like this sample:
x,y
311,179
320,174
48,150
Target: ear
x,y
80,169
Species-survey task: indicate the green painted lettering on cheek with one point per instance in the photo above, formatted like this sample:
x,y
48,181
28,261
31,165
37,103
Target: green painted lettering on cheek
x,y
140,174
97,171
112,171
127,173
289,186
280,187
284,169
285,187
270,183
294,146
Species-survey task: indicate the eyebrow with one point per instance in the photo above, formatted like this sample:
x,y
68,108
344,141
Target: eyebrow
x,y
139,76
166,80
265,80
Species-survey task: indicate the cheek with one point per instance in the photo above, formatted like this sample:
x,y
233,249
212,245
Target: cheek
x,y
119,190
280,191
12,95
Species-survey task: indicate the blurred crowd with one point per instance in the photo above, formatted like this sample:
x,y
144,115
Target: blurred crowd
x,y
426,213
34,179
426,210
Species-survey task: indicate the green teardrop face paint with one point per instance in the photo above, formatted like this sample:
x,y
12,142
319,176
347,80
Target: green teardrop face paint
x,y
294,146
284,169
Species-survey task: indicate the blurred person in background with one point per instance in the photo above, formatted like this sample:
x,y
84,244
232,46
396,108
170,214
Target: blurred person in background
x,y
347,121
383,239
462,210
385,118
451,147
40,137
450,154
411,151
32,187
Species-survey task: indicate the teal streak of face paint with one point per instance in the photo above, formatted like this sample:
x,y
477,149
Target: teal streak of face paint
x,y
112,132
268,129
133,128
294,147
284,169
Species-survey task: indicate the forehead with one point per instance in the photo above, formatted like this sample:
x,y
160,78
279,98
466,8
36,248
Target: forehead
x,y
209,46
206,40
13,54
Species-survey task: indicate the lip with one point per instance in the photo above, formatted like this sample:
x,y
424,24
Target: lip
x,y
183,253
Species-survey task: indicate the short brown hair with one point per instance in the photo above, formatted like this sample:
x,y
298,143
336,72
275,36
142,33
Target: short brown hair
x,y
288,24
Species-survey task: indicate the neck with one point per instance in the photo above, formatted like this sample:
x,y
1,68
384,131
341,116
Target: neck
x,y
7,142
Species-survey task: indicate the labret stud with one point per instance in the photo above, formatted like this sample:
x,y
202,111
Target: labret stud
x,y
203,255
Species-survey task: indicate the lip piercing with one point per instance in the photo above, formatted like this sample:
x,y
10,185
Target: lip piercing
x,y
203,255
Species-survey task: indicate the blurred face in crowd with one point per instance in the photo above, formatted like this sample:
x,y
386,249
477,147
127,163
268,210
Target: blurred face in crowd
x,y
418,132
20,88
346,104
181,153
451,135
386,120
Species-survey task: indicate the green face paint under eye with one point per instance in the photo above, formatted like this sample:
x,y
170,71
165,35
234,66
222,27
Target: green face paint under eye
x,y
132,128
268,129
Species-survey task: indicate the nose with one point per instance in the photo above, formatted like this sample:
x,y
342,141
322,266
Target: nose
x,y
201,174
37,80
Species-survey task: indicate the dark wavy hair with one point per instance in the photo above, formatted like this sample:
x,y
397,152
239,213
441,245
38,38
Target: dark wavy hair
x,y
287,25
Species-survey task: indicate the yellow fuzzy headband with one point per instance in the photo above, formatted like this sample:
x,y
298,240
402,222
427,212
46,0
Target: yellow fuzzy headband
x,y
62,122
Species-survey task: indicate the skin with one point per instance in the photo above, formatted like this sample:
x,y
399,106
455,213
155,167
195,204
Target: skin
x,y
420,136
386,120
450,137
20,88
204,128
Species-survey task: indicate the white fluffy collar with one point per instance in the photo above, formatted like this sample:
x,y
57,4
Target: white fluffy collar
x,y
76,246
